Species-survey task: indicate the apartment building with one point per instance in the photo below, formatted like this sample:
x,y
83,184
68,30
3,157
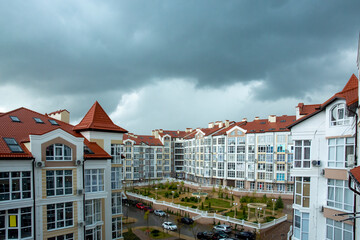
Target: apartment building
x,y
175,138
146,158
252,156
53,177
324,137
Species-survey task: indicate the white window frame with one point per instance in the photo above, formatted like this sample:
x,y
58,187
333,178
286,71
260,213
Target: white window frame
x,y
13,185
301,225
20,217
94,233
116,178
116,227
60,152
339,196
339,115
334,227
59,180
304,146
338,151
94,180
116,154
63,209
93,213
300,198
116,203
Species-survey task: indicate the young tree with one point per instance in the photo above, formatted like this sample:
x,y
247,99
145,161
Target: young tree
x,y
279,203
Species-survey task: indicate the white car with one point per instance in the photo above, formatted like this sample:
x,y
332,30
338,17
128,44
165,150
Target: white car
x,y
224,228
160,213
169,226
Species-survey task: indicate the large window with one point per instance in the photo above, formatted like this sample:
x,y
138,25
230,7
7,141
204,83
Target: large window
x,y
116,203
60,215
338,115
16,223
94,180
339,151
339,195
338,230
58,152
69,236
15,185
302,153
93,233
59,182
280,176
301,225
93,212
116,227
116,177
116,153
302,191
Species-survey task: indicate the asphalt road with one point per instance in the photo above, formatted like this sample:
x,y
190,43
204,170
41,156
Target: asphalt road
x,y
154,220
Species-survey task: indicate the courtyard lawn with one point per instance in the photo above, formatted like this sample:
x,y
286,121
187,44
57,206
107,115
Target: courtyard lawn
x,y
217,203
156,234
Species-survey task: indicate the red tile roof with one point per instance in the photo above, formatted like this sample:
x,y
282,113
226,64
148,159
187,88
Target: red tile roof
x,y
58,111
146,139
97,119
307,109
21,131
355,175
349,93
173,133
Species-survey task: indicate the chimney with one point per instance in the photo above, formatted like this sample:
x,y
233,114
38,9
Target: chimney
x,y
221,124
188,130
244,120
211,125
272,118
227,123
62,115
256,118
160,131
299,108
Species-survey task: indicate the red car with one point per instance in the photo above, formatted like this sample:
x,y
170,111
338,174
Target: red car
x,y
140,206
147,208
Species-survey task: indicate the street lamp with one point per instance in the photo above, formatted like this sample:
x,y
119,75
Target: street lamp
x,y
232,197
156,193
172,196
258,213
273,202
235,206
198,198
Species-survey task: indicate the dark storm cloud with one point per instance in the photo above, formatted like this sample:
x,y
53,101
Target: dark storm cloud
x,y
93,48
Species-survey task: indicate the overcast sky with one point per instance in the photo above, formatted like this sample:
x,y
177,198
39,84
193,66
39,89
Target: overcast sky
x,y
175,64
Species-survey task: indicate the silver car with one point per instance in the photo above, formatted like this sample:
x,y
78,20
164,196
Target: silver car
x,y
160,213
223,228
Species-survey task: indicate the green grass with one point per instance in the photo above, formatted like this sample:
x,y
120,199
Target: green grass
x,y
160,235
130,236
217,203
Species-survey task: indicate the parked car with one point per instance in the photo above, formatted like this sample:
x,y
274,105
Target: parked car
x,y
205,235
245,235
160,213
140,206
148,208
218,235
186,220
169,226
223,227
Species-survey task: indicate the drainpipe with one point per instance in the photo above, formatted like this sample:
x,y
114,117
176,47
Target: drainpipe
x,y
83,181
34,197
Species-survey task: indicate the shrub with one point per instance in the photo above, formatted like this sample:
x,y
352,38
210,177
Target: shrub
x,y
193,206
279,203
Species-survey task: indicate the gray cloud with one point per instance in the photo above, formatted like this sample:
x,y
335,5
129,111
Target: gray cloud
x,y
101,50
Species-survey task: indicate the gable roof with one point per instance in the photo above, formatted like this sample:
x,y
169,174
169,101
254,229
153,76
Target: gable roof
x,y
97,119
349,94
27,126
146,139
173,133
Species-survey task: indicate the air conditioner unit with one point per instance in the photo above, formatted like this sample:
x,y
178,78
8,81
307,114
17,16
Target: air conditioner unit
x,y
39,164
78,162
80,191
316,163
81,224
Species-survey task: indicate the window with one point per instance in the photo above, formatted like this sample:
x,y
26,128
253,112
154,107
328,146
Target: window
x,y
116,228
221,141
301,225
280,157
16,223
94,180
116,153
231,174
69,236
15,119
38,120
338,115
60,215
93,212
58,152
15,185
59,182
340,149
339,195
261,175
302,154
240,184
13,145
93,233
116,178
280,176
116,200
280,167
338,230
302,191
53,122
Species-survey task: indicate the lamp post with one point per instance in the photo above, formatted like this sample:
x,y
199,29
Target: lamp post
x,y
178,187
235,206
172,196
232,197
156,193
273,202
198,197
259,212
